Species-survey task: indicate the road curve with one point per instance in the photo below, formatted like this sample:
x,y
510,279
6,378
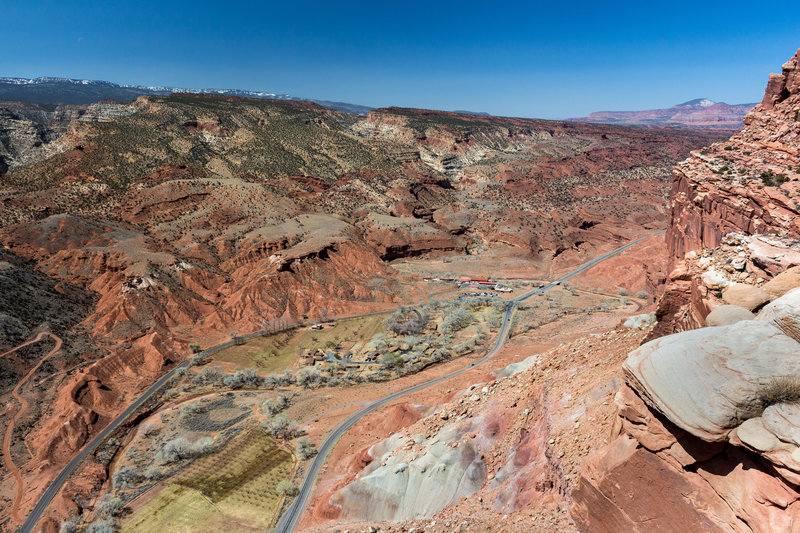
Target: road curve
x,y
288,522
16,393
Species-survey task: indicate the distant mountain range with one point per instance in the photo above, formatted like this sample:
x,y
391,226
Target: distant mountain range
x,y
62,91
698,113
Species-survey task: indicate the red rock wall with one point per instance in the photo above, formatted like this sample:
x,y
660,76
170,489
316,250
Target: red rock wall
x,y
723,189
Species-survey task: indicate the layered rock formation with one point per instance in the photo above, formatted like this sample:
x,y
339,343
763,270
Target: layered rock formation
x,y
698,113
188,217
707,435
748,185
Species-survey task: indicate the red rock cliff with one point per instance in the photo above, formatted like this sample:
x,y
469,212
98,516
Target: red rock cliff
x,y
749,185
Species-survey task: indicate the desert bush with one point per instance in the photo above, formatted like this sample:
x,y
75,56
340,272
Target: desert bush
x,y
101,526
69,526
200,360
125,477
378,343
309,378
282,427
351,376
209,376
391,360
153,473
243,378
175,450
440,354
781,389
785,389
192,410
273,406
286,488
287,378
459,319
406,321
108,506
194,347
622,292
641,294
203,446
305,448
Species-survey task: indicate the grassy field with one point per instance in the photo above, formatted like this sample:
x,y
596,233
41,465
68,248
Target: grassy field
x,y
233,489
274,353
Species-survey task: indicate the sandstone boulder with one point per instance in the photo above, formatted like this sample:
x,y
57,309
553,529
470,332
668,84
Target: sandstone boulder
x,y
783,420
783,283
748,296
640,321
728,314
700,380
784,314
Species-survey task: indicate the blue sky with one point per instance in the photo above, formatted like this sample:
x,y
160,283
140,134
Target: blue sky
x,y
532,59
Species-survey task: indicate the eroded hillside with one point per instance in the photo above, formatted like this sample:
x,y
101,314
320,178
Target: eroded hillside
x,y
181,219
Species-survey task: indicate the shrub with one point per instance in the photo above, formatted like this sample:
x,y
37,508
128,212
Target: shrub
x,y
783,389
203,446
125,477
191,410
108,506
391,360
175,449
282,427
459,319
305,448
407,321
779,390
309,377
286,488
440,354
287,378
641,294
101,526
273,406
153,473
209,376
194,347
70,526
378,343
243,378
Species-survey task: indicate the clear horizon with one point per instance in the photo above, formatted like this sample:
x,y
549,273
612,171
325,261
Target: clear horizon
x,y
524,59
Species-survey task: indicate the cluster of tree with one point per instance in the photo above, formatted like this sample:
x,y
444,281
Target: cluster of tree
x,y
407,320
213,375
305,448
282,427
180,448
273,406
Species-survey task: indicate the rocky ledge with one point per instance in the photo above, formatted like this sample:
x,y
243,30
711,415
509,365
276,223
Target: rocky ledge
x,y
708,434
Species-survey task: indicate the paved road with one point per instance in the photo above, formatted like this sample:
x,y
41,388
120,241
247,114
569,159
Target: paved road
x,y
289,520
291,517
48,495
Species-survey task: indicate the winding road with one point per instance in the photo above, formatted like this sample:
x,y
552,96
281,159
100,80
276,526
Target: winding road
x,y
16,393
291,517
